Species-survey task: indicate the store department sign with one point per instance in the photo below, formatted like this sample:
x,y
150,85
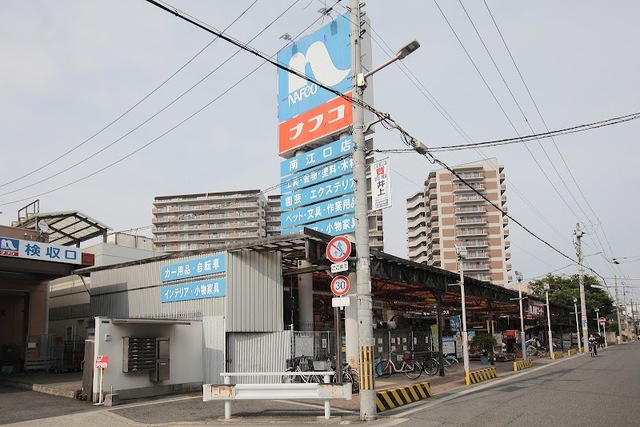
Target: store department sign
x,y
200,267
212,288
39,251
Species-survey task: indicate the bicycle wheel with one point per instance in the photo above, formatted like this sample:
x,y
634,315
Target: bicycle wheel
x,y
451,364
384,368
431,367
412,369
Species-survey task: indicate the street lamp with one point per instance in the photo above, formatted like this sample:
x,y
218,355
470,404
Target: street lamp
x,y
461,252
522,337
368,408
546,291
575,308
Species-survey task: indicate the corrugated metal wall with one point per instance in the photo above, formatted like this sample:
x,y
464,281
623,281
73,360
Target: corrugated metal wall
x,y
254,292
253,301
214,351
258,352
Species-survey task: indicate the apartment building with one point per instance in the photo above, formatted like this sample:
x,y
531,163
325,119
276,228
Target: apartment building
x,y
208,220
452,211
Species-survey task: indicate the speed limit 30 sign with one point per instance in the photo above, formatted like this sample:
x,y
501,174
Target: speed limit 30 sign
x,y
340,286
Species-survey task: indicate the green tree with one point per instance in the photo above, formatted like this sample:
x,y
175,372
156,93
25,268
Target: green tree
x,y
563,289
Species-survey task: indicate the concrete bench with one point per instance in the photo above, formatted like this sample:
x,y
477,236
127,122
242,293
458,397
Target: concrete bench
x,y
288,390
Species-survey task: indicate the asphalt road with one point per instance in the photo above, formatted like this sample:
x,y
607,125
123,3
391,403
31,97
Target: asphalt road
x,y
578,391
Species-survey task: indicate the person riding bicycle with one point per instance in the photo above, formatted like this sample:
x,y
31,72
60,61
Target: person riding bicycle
x,y
593,344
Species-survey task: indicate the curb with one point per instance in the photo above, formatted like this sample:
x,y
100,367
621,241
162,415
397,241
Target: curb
x,y
40,388
522,364
395,397
475,377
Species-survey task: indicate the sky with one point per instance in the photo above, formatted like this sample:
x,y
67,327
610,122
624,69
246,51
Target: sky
x,y
107,104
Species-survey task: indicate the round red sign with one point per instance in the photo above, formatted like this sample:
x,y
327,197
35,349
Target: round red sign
x,y
340,285
338,249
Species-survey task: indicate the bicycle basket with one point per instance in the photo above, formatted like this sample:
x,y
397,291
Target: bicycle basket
x,y
407,355
321,365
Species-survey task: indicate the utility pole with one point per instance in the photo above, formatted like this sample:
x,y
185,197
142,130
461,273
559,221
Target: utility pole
x,y
615,281
583,301
368,410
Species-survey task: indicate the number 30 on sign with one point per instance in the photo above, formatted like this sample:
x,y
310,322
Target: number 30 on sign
x,y
340,285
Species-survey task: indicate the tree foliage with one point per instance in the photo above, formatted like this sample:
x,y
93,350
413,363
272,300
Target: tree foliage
x,y
563,289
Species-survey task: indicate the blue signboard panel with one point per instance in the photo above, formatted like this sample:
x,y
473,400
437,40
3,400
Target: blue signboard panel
x,y
324,56
317,175
212,288
199,267
317,193
317,156
312,213
39,251
334,226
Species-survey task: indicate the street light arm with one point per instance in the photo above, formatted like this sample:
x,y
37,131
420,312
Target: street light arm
x,y
407,50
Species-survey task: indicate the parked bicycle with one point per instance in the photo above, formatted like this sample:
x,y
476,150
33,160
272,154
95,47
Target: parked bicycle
x,y
349,375
306,365
409,366
432,366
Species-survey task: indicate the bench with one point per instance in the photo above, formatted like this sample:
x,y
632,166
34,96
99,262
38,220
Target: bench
x,y
288,390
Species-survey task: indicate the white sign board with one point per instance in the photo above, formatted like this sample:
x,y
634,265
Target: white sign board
x,y
380,185
340,302
340,266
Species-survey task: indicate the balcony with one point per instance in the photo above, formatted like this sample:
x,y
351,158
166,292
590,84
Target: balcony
x,y
468,199
465,188
477,243
469,176
471,221
476,266
470,210
471,232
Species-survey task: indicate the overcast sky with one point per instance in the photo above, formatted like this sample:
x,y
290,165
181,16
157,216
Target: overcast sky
x,y
75,75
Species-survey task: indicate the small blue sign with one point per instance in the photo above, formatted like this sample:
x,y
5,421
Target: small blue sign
x,y
317,175
212,288
328,190
199,267
317,156
333,227
334,207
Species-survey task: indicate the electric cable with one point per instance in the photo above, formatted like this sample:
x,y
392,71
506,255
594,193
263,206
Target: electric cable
x,y
144,98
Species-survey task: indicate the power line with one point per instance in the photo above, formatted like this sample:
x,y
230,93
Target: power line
x,y
146,121
144,98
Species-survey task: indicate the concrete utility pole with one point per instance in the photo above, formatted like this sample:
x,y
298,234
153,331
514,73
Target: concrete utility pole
x,y
368,409
461,252
615,281
523,346
583,301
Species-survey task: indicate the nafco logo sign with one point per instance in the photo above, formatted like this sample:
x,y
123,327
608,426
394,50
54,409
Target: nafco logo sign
x,y
324,56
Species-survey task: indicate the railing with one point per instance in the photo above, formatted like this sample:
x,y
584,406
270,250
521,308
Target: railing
x,y
279,390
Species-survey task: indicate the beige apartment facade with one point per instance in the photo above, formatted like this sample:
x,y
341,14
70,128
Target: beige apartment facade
x,y
208,220
460,210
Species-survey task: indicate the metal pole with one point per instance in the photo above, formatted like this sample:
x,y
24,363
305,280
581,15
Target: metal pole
x,y
575,308
583,301
368,409
597,310
619,339
465,343
522,337
549,322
